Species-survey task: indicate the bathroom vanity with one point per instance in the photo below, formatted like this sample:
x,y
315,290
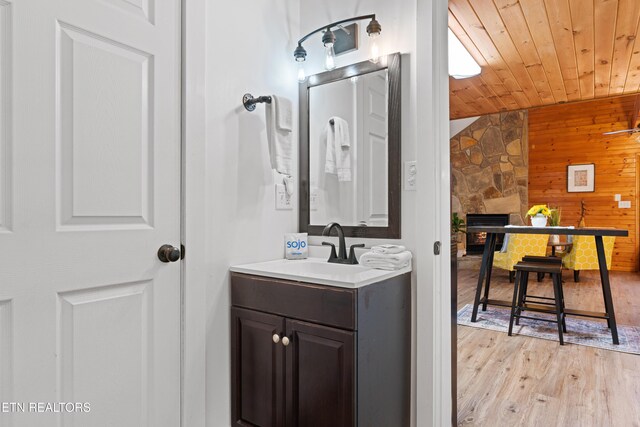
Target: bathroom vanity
x,y
318,344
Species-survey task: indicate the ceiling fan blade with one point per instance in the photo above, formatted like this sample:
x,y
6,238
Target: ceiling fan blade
x,y
622,131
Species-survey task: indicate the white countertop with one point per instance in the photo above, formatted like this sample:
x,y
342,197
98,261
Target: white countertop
x,y
319,271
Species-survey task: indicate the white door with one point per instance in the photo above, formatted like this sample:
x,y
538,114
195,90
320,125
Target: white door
x,y
89,190
373,155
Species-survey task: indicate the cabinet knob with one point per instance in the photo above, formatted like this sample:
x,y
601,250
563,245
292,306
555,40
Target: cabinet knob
x,y
276,338
285,341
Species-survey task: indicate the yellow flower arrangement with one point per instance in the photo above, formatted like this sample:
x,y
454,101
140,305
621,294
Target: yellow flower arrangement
x,y
539,209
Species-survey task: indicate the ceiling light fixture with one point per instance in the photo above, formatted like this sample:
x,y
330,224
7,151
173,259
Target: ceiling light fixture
x,y
461,63
329,39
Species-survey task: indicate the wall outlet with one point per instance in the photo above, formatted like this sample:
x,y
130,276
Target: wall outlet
x,y
617,197
624,204
313,199
283,201
410,175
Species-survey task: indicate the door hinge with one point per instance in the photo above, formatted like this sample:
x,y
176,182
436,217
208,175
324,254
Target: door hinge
x,y
436,248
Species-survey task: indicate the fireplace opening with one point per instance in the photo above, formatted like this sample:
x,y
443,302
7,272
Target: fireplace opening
x,y
476,241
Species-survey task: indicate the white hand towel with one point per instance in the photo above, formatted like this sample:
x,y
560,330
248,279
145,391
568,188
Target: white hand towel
x,y
330,156
284,113
386,261
388,249
338,158
280,141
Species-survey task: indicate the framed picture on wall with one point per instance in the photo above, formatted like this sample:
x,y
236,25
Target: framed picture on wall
x,y
581,178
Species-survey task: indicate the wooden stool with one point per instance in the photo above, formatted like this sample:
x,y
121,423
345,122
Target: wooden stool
x,y
549,260
543,259
520,296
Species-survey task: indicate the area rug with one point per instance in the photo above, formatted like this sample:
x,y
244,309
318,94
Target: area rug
x,y
579,331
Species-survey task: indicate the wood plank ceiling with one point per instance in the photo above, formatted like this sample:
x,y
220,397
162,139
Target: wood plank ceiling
x,y
544,52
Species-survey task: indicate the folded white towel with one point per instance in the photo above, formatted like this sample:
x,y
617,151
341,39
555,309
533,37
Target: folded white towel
x,y
338,157
386,266
280,141
386,261
388,249
392,258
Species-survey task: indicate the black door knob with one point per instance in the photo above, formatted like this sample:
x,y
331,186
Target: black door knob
x,y
168,253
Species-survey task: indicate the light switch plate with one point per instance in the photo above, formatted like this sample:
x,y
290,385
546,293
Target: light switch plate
x,y
624,204
410,175
283,201
617,197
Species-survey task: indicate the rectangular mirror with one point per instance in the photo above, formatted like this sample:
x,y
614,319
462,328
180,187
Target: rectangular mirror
x,y
350,149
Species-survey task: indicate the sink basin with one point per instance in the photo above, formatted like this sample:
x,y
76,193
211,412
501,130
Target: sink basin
x,y
319,271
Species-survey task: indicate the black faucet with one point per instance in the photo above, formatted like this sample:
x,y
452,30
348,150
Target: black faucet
x,y
341,257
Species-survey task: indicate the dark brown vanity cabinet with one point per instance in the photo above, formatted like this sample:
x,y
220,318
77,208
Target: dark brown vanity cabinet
x,y
309,355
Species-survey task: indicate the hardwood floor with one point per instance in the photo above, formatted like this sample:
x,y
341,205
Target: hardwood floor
x,y
524,381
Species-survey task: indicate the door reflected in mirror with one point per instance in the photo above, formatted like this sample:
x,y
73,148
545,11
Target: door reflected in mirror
x,y
348,151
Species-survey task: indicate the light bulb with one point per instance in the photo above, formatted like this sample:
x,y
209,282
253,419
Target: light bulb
x,y
329,58
374,49
301,74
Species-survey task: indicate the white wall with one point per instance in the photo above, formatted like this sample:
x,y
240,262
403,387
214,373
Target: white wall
x,y
249,49
457,126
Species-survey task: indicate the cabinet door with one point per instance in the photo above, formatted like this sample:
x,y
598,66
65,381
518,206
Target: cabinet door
x,y
257,367
320,376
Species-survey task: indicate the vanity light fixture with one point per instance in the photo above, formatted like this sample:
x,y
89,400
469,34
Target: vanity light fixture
x,y
329,38
461,63
300,54
374,29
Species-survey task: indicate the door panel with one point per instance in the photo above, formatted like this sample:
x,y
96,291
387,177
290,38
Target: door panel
x,y
104,120
373,160
257,375
123,351
92,156
320,376
138,8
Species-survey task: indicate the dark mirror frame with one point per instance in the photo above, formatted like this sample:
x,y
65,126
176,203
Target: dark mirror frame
x,y
392,231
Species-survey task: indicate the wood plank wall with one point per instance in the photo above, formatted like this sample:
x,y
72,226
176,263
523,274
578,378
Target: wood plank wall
x,y
560,135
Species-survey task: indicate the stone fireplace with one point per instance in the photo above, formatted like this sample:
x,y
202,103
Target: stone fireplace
x,y
475,241
490,167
